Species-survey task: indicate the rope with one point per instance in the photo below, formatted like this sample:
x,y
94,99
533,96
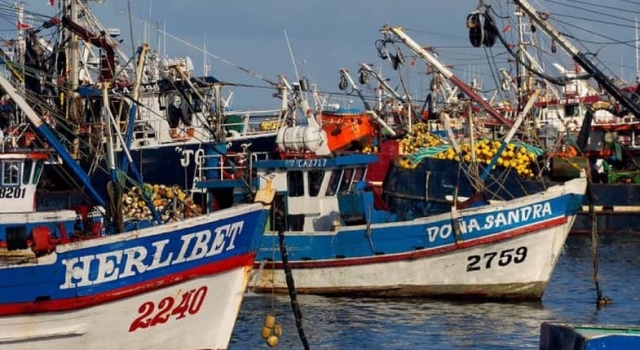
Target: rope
x,y
114,210
600,300
293,295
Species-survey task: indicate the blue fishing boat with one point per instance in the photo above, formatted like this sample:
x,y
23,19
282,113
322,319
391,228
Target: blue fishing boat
x,y
342,239
566,336
106,281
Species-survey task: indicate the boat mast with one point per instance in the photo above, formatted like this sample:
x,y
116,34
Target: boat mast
x,y
579,58
431,60
20,48
73,47
521,71
637,54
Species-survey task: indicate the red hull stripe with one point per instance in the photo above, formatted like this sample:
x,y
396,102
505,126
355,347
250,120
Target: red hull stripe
x,y
128,291
423,252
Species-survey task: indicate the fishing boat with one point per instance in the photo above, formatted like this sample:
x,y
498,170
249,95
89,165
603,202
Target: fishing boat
x,y
107,281
566,336
341,237
167,113
340,240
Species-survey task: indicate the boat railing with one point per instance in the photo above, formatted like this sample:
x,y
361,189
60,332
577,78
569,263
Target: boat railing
x,y
229,166
252,122
221,167
15,136
151,132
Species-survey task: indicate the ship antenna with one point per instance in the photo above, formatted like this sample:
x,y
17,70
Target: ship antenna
x,y
293,60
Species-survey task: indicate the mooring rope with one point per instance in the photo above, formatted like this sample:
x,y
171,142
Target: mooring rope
x,y
600,301
293,295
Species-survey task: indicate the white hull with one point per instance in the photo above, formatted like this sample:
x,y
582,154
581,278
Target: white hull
x,y
440,274
94,327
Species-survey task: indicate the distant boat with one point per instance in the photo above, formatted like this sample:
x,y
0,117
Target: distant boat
x,y
566,336
607,146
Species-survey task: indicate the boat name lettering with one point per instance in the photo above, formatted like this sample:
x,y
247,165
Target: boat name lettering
x,y
13,192
306,163
505,258
491,221
190,303
95,269
187,154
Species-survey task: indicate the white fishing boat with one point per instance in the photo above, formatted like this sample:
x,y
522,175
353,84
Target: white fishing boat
x,y
342,239
340,243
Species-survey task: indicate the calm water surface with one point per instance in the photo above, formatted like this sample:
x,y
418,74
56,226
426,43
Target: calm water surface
x,y
346,323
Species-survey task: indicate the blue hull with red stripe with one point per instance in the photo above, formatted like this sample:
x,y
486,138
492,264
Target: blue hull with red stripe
x,y
139,284
340,241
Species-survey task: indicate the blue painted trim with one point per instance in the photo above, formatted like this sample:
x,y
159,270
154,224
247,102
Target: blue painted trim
x,y
353,242
30,282
66,157
301,163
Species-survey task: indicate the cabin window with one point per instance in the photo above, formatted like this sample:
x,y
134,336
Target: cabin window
x,y
26,174
295,183
333,182
37,172
357,177
571,111
346,180
11,173
315,182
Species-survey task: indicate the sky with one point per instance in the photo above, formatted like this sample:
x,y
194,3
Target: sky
x,y
327,35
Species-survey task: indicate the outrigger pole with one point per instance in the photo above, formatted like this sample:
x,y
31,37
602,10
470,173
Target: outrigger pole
x,y
432,61
579,58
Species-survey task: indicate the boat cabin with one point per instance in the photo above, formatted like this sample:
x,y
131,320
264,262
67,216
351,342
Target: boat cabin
x,y
20,175
319,194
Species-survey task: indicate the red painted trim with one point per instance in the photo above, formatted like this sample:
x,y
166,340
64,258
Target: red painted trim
x,y
420,253
128,291
25,155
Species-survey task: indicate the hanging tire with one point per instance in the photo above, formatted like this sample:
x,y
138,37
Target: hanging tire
x,y
476,33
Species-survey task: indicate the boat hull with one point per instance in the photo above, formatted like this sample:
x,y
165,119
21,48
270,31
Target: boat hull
x,y
177,285
563,336
426,258
108,325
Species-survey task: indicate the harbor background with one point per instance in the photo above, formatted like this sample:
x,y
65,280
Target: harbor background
x,y
353,323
